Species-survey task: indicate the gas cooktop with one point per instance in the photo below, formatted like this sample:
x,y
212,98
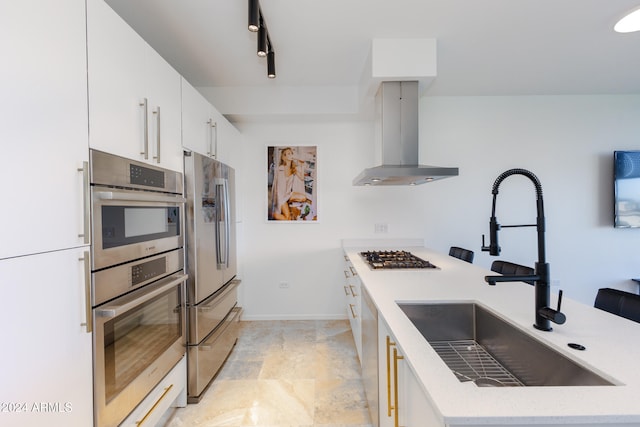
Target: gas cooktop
x,y
394,260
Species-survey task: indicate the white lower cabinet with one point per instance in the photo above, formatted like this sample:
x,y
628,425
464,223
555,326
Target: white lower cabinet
x,y
46,370
402,401
353,303
171,392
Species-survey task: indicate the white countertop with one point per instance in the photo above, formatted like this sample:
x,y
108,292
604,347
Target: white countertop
x,y
612,347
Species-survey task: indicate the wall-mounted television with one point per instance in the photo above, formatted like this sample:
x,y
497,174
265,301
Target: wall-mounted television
x,y
626,170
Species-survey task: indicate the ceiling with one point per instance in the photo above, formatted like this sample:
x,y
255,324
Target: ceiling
x,y
484,47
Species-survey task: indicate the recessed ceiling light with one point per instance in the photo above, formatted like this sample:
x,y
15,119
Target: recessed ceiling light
x,y
629,23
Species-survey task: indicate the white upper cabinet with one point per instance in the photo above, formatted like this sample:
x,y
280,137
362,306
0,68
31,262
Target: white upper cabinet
x,y
204,129
229,141
134,94
199,122
43,81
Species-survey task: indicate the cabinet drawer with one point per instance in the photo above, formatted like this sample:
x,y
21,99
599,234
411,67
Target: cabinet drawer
x,y
161,398
206,359
206,316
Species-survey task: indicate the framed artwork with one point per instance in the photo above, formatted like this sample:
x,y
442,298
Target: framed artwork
x,y
292,183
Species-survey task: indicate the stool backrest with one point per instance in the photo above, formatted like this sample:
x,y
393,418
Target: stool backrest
x,y
511,269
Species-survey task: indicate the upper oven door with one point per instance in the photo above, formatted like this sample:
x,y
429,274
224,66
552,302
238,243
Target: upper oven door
x,y
131,224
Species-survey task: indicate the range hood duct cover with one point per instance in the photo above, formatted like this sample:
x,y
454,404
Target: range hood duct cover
x,y
397,139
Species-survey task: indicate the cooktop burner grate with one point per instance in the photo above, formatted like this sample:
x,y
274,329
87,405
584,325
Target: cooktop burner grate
x,y
395,260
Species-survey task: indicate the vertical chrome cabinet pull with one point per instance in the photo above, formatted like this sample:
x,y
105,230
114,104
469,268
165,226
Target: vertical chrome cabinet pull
x,y
213,134
157,156
87,292
210,142
145,150
86,208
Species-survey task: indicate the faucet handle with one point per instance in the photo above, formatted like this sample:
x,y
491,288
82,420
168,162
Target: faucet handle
x,y
559,300
554,315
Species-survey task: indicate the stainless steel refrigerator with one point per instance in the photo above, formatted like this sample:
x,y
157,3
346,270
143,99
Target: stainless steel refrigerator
x,y
212,304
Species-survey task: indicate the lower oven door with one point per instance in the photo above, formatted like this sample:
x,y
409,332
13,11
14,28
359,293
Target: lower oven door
x,y
138,339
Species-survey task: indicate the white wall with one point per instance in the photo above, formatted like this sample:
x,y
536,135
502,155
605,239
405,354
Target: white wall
x,y
567,141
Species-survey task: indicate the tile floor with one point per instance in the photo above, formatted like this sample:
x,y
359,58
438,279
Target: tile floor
x,y
285,373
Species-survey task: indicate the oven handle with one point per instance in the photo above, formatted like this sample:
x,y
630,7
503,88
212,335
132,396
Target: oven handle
x,y
114,311
138,197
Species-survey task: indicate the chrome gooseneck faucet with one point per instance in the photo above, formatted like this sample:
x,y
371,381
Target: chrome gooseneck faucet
x,y
544,314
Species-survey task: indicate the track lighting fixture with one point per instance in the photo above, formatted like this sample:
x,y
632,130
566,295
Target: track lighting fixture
x,y
265,48
271,64
271,60
254,15
262,38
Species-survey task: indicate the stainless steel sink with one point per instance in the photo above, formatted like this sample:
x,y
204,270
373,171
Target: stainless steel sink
x,y
479,346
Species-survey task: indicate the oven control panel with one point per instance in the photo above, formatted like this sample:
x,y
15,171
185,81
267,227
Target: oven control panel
x,y
148,270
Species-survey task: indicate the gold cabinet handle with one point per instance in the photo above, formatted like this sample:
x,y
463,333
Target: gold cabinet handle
x,y
346,291
346,274
353,271
389,345
352,291
155,405
396,357
352,312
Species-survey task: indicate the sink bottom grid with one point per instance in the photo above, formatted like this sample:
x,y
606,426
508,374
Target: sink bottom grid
x,y
469,361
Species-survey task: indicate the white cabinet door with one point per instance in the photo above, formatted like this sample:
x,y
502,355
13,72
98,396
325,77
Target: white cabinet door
x,y
128,81
199,126
403,402
205,130
229,141
46,370
44,139
386,375
353,303
164,96
116,68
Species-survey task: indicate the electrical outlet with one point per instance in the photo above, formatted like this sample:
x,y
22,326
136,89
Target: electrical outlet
x,y
284,285
381,228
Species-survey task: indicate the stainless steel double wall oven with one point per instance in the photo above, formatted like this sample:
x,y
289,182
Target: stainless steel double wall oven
x,y
138,281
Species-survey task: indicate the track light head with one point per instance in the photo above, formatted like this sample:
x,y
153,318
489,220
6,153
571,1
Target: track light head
x,y
271,64
262,39
254,15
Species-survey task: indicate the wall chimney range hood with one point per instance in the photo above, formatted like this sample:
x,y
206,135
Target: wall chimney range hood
x,y
396,125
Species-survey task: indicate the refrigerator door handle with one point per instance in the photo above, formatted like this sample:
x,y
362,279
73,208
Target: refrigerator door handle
x,y
227,222
222,224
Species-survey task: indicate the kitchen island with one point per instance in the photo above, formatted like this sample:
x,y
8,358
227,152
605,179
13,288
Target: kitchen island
x,y
612,347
